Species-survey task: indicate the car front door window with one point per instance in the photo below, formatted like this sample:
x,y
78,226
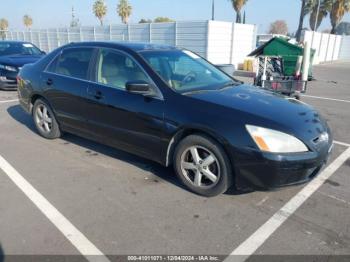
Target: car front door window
x,y
116,69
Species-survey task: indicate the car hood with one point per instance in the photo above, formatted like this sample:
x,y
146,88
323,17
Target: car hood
x,y
268,109
19,60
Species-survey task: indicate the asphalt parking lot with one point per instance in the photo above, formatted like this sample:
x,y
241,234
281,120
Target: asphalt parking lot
x,y
72,196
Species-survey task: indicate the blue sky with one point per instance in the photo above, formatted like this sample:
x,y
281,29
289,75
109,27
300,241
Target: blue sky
x,y
49,13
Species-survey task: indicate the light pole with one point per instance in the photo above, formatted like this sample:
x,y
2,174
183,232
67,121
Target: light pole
x,y
213,10
317,14
316,22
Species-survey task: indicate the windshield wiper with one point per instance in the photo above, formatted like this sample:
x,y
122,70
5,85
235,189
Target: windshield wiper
x,y
229,84
225,85
196,91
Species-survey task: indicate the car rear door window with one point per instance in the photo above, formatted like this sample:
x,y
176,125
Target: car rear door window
x,y
52,65
74,62
115,69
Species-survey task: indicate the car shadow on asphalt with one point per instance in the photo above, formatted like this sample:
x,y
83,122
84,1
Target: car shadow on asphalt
x,y
91,147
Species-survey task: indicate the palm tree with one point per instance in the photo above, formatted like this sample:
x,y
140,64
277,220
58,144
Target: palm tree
x,y
27,21
338,10
303,12
100,10
4,24
238,5
124,10
324,8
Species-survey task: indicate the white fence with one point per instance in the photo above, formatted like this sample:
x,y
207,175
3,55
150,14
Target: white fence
x,y
345,48
230,43
219,42
328,47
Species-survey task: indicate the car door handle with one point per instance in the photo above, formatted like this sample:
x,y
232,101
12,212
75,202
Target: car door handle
x,y
49,82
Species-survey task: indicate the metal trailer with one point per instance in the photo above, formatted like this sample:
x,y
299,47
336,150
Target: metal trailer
x,y
270,76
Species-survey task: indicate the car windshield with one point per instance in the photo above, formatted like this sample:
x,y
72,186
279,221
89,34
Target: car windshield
x,y
185,71
7,48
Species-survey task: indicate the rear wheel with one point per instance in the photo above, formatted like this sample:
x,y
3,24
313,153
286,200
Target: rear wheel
x,y
203,166
45,120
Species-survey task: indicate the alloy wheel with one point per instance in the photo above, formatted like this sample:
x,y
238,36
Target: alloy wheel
x,y
43,119
200,167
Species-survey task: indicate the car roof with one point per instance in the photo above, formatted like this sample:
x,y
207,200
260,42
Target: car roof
x,y
137,47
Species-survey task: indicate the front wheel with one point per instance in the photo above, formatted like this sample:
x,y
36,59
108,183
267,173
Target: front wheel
x,y
203,166
45,121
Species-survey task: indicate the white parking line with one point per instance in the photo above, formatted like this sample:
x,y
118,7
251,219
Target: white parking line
x,y
82,244
341,143
327,98
8,101
257,239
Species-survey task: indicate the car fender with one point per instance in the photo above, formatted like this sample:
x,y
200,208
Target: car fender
x,y
187,130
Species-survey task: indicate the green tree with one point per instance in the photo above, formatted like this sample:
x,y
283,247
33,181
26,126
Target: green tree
x,y
163,20
338,10
343,28
100,10
145,21
4,25
27,21
278,27
124,10
238,5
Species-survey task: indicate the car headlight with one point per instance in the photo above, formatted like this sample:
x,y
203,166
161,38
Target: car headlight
x,y
8,68
273,141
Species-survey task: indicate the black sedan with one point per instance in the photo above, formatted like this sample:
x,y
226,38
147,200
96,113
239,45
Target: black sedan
x,y
13,56
173,107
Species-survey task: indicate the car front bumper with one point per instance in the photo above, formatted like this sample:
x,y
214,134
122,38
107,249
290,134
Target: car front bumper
x,y
8,83
259,170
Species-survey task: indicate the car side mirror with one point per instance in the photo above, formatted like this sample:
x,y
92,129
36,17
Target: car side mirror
x,y
139,87
43,52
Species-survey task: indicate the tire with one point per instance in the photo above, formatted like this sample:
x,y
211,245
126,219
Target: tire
x,y
197,174
45,120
